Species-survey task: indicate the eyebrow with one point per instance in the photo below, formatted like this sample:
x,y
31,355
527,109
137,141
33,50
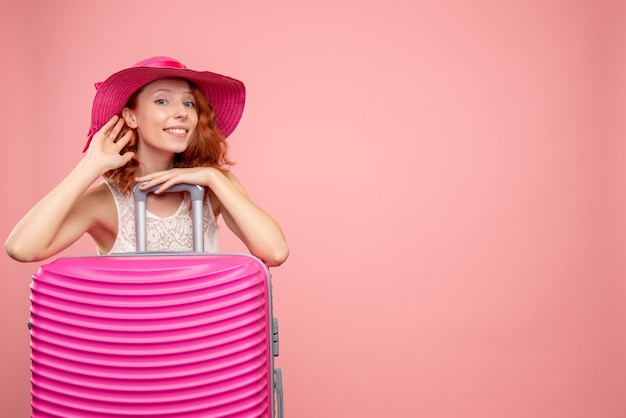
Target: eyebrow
x,y
170,91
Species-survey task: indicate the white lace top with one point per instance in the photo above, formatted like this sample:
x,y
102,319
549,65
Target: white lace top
x,y
172,233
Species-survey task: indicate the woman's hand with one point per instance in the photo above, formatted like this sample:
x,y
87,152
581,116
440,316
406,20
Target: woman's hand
x,y
107,144
168,178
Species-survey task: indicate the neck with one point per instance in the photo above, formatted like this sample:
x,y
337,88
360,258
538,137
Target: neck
x,y
153,163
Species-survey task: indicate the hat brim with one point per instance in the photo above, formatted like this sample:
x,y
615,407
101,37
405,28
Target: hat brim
x,y
225,94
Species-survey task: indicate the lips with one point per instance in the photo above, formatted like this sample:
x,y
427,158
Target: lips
x,y
176,131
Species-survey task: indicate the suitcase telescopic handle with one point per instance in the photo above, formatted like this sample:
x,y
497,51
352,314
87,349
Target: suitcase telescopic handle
x,y
196,193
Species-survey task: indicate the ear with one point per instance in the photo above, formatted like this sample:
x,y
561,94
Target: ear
x,y
129,118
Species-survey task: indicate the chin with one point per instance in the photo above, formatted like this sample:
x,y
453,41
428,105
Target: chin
x,y
180,147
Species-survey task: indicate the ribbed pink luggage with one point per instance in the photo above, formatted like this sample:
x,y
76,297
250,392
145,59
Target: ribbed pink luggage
x,y
188,335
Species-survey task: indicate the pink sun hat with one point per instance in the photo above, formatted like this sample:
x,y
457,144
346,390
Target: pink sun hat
x,y
226,95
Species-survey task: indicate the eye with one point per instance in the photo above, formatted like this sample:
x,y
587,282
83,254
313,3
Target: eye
x,y
190,104
159,101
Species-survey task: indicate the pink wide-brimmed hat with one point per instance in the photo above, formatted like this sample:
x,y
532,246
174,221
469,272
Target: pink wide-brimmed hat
x,y
225,94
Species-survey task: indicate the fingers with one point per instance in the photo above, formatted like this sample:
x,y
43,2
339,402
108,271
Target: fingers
x,y
168,178
124,140
150,180
112,128
108,129
165,179
128,156
114,131
110,124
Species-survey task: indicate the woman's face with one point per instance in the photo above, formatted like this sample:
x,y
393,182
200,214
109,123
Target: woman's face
x,y
165,115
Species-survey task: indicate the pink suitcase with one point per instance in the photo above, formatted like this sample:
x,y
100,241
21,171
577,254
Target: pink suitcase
x,y
188,335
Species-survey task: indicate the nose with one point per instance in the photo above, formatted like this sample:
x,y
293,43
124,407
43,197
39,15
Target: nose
x,y
181,111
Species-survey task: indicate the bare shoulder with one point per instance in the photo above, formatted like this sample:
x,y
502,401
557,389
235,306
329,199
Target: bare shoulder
x,y
230,176
99,201
98,194
232,179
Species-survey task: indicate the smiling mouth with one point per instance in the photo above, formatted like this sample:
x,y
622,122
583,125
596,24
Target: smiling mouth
x,y
176,131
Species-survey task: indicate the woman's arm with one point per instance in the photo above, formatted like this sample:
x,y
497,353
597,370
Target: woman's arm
x,y
257,229
64,215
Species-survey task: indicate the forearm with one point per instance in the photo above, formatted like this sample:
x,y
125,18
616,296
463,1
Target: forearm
x,y
33,238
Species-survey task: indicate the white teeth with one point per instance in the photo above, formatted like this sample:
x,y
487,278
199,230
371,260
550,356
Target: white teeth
x,y
177,131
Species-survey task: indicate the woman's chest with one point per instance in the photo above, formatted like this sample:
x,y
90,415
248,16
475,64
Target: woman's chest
x,y
164,205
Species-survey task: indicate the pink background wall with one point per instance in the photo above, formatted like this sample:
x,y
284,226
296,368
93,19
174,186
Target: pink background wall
x,y
449,174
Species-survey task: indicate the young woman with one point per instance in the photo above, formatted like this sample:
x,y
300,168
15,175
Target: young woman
x,y
161,123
